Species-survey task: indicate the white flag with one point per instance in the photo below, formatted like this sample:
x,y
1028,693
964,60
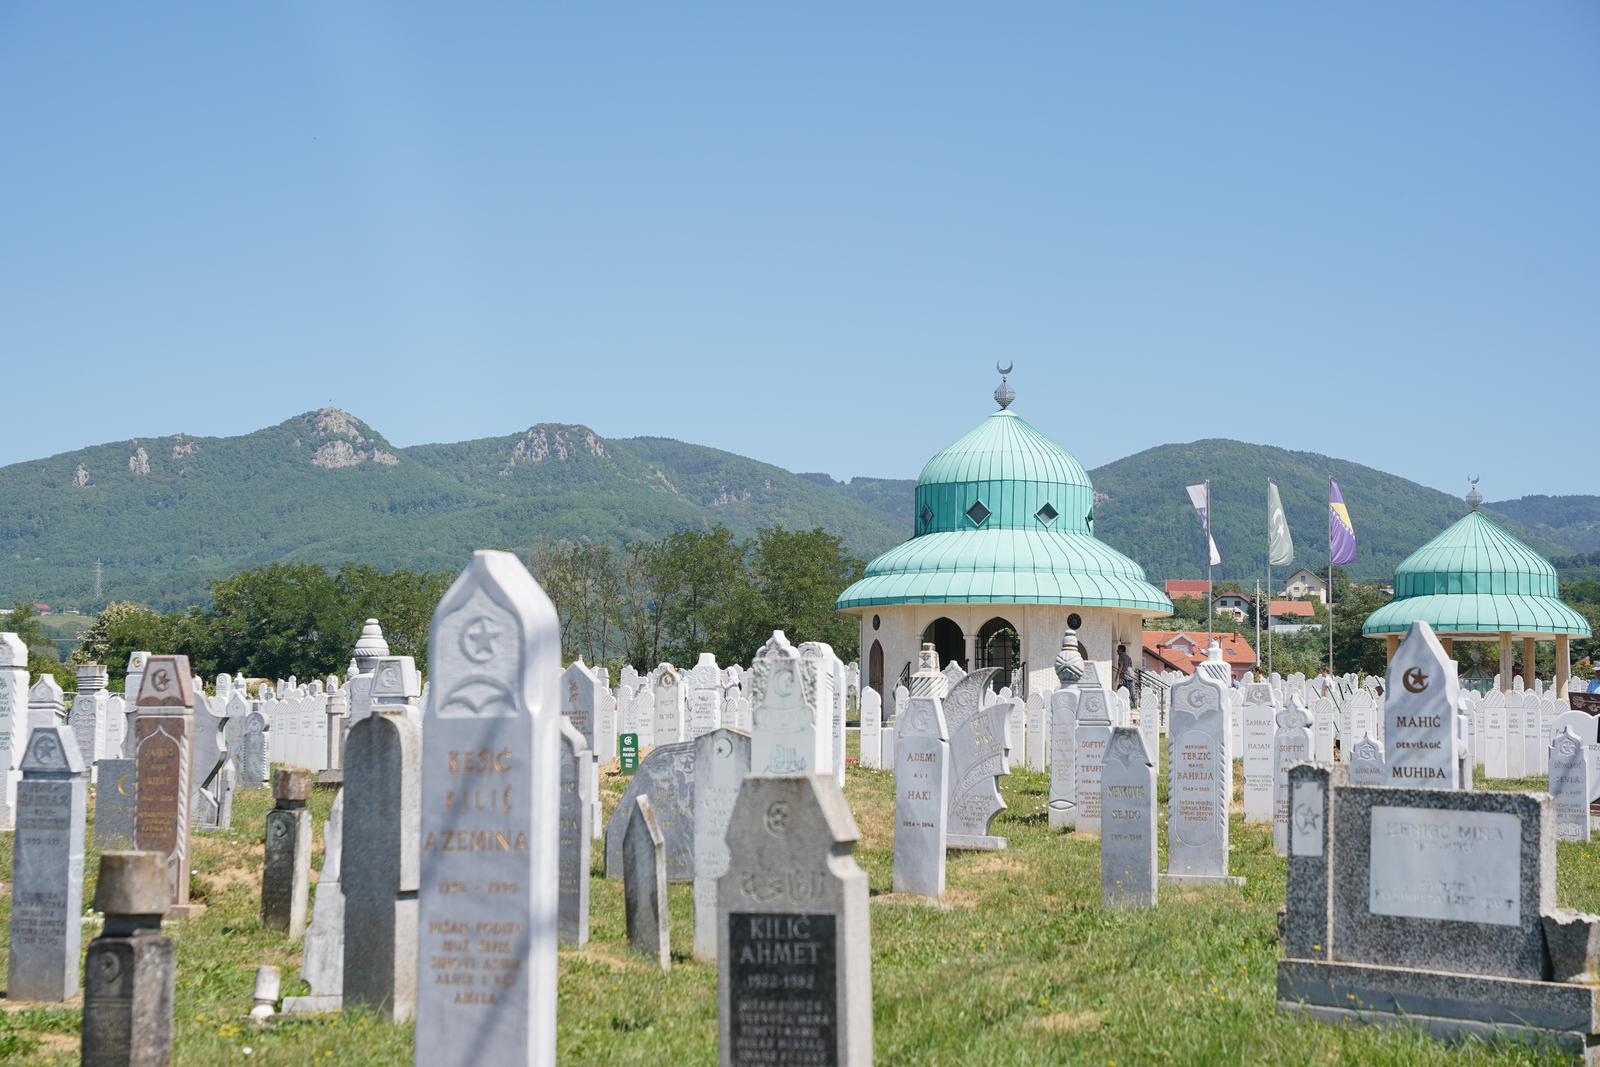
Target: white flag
x,y
1200,497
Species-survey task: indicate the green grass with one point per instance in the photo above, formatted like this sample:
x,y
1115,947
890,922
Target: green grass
x,y
1017,965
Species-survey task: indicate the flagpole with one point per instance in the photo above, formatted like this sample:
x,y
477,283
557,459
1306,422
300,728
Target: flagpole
x,y
1269,589
1330,589
1210,629
1258,624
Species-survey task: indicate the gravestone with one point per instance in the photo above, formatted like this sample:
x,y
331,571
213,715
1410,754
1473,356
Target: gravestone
x,y
871,729
644,885
206,801
922,786
90,710
379,870
1090,737
705,696
1570,786
818,665
666,776
1063,754
1421,695
491,830
1038,732
1291,744
322,954
1495,761
1199,783
396,686
977,760
576,767
45,704
837,752
116,804
794,967
789,713
1259,724
1434,908
163,734
131,969
1368,764
670,727
13,721
721,763
286,869
253,762
1323,714
47,868
1128,866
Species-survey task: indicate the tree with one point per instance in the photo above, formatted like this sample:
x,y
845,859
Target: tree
x,y
797,578
120,630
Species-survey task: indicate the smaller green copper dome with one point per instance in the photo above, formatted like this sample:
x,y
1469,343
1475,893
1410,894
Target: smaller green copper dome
x,y
1476,578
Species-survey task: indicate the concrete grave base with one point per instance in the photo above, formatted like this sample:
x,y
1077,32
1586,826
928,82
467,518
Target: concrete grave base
x,y
975,843
1564,1015
1202,879
184,911
292,1005
331,779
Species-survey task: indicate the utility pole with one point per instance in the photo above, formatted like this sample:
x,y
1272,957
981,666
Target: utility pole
x,y
98,580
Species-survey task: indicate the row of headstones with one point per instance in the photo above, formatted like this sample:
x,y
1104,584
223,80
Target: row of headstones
x,y
1513,731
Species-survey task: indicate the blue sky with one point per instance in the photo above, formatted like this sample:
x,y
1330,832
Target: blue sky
x,y
806,235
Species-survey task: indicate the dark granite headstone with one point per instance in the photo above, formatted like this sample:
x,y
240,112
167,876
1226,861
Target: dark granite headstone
x,y
644,885
286,872
130,970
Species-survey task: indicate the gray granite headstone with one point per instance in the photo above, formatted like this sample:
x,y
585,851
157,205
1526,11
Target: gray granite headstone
x,y
1128,866
644,885
1291,744
577,765
379,868
794,966
286,867
977,760
1200,782
253,762
666,776
116,804
491,833
47,868
921,785
1442,880
130,971
1569,786
1307,926
1421,695
721,762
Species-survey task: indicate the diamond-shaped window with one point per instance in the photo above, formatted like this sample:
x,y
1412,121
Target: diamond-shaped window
x,y
1047,514
926,515
977,513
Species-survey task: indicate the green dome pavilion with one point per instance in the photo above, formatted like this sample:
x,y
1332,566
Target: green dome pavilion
x,y
1004,519
1476,582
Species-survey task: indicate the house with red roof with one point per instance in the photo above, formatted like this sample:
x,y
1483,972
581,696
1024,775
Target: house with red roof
x,y
1184,650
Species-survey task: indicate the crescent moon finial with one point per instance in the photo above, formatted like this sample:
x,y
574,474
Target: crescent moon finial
x,y
1004,370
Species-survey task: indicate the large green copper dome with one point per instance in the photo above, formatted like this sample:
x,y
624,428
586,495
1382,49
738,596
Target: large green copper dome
x,y
1475,578
1004,516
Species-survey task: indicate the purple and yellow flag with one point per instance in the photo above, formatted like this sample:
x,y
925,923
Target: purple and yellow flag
x,y
1341,534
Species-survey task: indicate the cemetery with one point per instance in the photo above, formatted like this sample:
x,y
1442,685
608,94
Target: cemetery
x,y
981,846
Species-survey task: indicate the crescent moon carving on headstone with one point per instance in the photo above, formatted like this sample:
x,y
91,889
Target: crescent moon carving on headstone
x,y
1004,370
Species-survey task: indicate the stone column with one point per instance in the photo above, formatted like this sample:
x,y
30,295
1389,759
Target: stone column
x,y
286,873
1530,650
1563,665
970,642
1505,662
47,899
128,988
1449,644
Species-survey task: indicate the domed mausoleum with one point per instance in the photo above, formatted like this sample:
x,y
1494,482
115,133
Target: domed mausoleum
x,y
1476,582
1002,560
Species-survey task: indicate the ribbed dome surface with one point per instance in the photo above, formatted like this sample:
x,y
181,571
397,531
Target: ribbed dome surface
x,y
1476,578
1004,516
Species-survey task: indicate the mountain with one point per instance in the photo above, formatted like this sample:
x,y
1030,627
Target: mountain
x,y
1571,522
168,515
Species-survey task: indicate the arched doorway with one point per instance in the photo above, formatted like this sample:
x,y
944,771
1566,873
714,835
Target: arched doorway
x,y
875,667
946,638
999,646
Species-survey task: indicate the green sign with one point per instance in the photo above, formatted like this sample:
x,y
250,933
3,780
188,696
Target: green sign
x,y
628,752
